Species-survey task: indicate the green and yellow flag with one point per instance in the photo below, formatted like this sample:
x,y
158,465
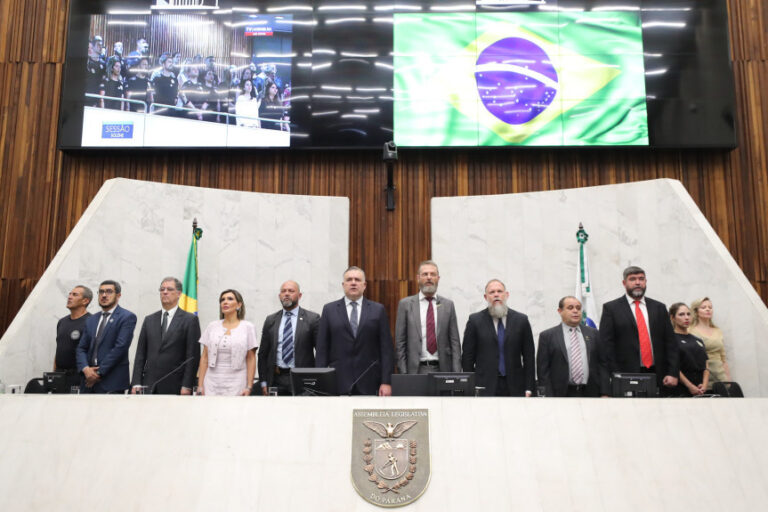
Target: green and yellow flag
x,y
562,78
188,300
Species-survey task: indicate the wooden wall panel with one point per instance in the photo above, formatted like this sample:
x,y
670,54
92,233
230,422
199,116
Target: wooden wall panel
x,y
44,192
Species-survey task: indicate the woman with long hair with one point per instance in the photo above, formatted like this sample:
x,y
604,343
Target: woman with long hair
x,y
271,106
247,106
694,376
228,362
113,86
704,327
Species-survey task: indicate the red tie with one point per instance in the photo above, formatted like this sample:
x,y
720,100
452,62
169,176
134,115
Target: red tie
x,y
431,338
646,354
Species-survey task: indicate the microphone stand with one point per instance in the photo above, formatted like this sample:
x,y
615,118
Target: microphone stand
x,y
161,379
349,392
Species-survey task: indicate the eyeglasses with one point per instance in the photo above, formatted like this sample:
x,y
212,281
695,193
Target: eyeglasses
x,y
106,292
164,289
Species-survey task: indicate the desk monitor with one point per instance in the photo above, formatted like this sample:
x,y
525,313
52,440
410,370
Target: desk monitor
x,y
404,384
634,385
314,382
452,384
55,382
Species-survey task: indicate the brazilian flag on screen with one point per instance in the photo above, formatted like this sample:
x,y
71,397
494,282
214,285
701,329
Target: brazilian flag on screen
x,y
562,78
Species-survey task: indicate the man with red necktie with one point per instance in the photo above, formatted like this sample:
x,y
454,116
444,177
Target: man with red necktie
x,y
636,335
426,329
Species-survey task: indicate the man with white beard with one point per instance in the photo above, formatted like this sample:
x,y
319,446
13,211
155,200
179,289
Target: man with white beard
x,y
498,346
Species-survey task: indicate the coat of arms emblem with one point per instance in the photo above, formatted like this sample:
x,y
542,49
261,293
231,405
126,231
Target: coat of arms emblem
x,y
390,455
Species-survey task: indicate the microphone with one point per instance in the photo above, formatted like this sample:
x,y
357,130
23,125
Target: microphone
x,y
161,379
374,363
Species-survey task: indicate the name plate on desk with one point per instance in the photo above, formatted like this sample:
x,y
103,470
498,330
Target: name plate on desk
x,y
390,455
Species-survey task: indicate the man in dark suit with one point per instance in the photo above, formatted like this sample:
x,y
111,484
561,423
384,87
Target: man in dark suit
x,y
168,353
636,335
288,340
568,358
426,330
498,346
354,338
102,354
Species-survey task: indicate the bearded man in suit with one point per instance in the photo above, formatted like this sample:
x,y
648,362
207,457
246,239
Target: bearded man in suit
x,y
636,335
426,330
288,340
498,346
102,354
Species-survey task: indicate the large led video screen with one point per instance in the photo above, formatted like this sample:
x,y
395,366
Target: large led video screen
x,y
552,79
421,73
164,84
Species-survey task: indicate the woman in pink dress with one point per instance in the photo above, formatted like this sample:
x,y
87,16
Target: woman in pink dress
x,y
228,363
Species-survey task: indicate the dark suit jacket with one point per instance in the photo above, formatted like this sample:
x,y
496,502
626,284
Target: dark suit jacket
x,y
621,345
481,352
408,335
369,356
304,342
157,356
554,368
113,350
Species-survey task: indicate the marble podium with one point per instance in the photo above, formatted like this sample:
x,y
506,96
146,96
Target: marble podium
x,y
163,453
139,232
529,242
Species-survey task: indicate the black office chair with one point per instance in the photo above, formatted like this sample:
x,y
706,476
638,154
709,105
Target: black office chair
x,y
727,389
35,386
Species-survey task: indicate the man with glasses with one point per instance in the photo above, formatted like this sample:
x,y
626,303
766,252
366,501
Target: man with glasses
x,y
102,355
168,352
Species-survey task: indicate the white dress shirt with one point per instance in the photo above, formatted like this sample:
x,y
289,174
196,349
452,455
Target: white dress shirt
x,y
170,312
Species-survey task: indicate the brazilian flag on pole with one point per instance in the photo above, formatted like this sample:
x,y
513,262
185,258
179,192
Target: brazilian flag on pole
x,y
188,300
547,78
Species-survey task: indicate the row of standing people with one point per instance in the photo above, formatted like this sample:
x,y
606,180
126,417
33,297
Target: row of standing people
x,y
353,336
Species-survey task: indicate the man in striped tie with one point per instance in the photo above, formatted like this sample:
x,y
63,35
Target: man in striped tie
x,y
288,341
567,360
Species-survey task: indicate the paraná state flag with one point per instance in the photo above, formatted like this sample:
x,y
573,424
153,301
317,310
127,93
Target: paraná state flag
x,y
589,314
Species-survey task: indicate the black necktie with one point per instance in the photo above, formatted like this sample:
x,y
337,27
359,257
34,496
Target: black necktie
x,y
500,335
164,325
99,333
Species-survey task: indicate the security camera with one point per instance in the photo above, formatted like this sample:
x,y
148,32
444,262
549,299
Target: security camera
x,y
390,152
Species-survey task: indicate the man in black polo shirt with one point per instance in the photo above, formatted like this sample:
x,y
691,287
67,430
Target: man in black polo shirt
x,y
165,87
96,69
68,332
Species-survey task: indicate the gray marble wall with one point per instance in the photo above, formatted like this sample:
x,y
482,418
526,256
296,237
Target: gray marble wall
x,y
138,232
529,242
